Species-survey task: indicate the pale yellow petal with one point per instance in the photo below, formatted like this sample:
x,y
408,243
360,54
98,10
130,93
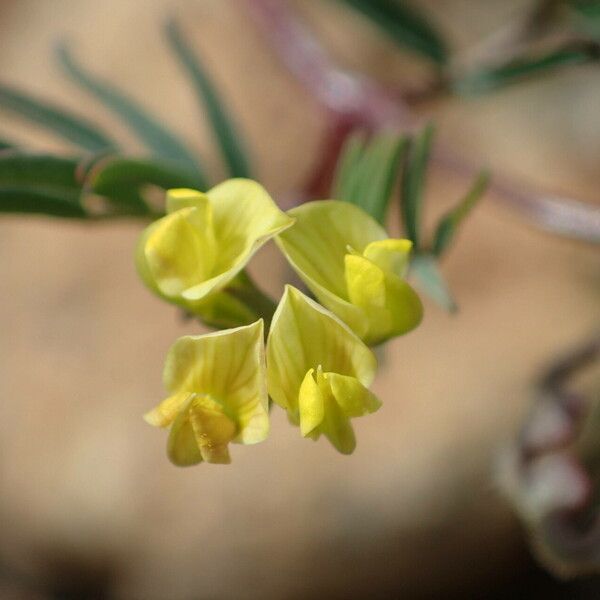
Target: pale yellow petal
x,y
337,428
213,429
166,412
229,366
305,335
182,448
311,404
353,397
391,255
179,198
390,304
176,253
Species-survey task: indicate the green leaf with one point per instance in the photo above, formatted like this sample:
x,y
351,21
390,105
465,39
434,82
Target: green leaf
x,y
344,179
38,170
367,171
428,278
68,126
413,184
161,142
586,17
123,179
520,69
38,201
6,144
224,130
407,27
448,225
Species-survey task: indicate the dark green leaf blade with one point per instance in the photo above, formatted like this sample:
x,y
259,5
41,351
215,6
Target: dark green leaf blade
x,y
224,130
413,184
449,224
61,122
429,280
407,27
378,174
39,201
486,80
161,142
38,170
345,179
123,179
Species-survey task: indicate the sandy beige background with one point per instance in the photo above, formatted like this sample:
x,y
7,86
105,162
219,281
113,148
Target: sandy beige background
x,y
86,486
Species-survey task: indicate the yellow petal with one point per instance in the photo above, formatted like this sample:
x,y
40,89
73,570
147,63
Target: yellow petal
x,y
166,412
229,366
316,246
390,255
337,428
353,398
182,447
311,404
213,429
245,217
185,198
178,251
303,336
392,307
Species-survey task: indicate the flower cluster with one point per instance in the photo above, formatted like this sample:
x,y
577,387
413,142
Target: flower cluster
x,y
316,363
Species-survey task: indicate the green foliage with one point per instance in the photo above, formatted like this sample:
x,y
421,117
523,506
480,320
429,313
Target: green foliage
x,y
61,122
39,201
448,225
159,140
413,184
425,269
123,180
225,133
406,26
517,70
367,171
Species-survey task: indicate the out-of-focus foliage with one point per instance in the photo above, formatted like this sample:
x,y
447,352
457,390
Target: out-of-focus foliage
x,y
70,186
406,26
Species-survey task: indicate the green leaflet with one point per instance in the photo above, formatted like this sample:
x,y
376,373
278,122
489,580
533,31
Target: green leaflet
x,y
72,128
407,27
413,184
122,179
448,225
159,140
367,171
428,278
229,141
486,80
25,200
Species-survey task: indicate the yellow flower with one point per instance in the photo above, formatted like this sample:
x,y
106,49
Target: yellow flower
x,y
217,387
201,246
319,370
347,260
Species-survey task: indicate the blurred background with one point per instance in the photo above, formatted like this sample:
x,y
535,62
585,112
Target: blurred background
x,y
90,507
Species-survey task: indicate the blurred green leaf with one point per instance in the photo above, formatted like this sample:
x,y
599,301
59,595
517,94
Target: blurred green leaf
x,y
38,170
123,179
428,278
406,26
448,225
6,144
586,15
39,201
367,171
517,70
161,142
345,176
70,127
413,183
229,140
